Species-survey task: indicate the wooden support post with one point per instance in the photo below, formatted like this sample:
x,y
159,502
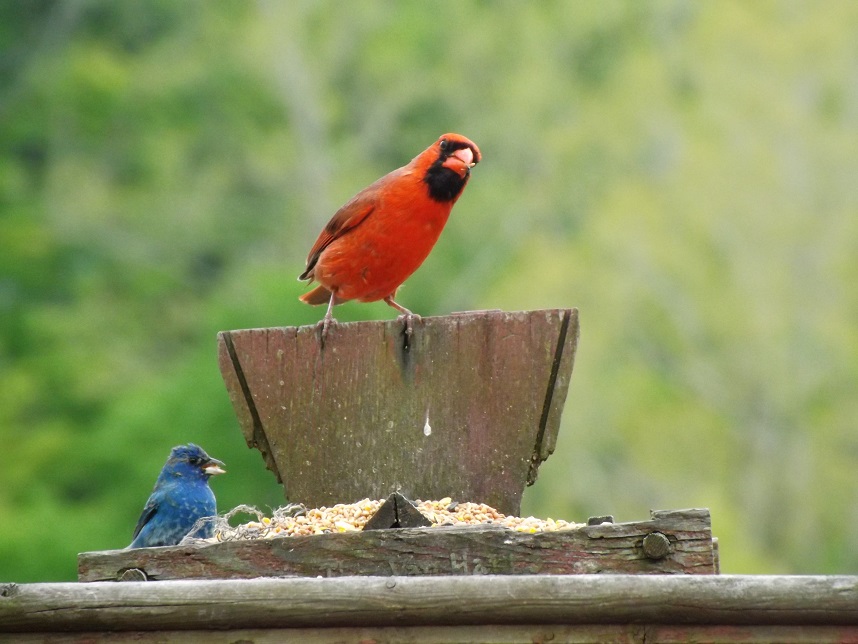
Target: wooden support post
x,y
466,407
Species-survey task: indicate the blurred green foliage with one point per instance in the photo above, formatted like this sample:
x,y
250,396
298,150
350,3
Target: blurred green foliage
x,y
684,173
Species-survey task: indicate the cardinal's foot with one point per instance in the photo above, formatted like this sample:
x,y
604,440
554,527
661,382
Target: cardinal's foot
x,y
409,319
323,325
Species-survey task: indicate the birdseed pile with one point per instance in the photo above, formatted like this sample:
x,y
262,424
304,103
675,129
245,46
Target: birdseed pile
x,y
295,520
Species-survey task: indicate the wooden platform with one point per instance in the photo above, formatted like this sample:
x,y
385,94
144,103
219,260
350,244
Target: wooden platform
x,y
670,542
530,608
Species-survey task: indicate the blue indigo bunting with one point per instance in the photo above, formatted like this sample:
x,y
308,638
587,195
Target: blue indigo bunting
x,y
181,496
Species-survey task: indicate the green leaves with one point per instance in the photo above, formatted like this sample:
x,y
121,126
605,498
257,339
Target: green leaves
x,y
682,173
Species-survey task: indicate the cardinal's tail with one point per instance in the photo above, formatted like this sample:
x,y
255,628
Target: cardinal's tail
x,y
319,295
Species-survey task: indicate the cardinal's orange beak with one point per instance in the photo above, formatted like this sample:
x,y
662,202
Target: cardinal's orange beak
x,y
461,161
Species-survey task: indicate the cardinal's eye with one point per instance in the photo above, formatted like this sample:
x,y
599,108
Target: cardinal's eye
x,y
443,145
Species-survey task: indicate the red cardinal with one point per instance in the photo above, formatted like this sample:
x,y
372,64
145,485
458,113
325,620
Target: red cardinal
x,y
385,232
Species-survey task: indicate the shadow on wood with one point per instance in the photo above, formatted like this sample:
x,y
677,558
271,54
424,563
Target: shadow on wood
x,y
468,406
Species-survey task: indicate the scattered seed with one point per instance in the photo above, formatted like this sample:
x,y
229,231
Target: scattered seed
x,y
350,517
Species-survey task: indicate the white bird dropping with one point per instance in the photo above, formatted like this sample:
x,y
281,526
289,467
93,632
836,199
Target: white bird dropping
x,y
427,428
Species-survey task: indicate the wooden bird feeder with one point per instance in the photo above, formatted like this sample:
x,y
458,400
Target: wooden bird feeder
x,y
468,406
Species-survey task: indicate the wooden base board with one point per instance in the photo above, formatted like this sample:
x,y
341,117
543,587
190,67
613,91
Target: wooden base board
x,y
670,542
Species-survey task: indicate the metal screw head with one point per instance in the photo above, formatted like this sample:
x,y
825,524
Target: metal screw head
x,y
656,545
132,574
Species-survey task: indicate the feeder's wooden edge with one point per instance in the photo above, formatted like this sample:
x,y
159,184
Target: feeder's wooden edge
x,y
242,402
427,601
554,633
677,542
557,390
394,322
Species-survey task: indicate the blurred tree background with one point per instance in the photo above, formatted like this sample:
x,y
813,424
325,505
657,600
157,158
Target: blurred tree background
x,y
683,172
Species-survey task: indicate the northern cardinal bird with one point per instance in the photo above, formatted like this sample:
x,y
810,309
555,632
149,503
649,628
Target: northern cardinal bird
x,y
384,233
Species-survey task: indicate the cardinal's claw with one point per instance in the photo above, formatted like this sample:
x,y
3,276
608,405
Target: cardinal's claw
x,y
408,318
323,325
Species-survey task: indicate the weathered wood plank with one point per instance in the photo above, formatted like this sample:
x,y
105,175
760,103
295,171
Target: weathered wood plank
x,y
470,550
488,634
467,407
678,600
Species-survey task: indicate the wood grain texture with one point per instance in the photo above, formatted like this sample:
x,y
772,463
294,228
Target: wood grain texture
x,y
488,634
467,407
677,600
469,550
